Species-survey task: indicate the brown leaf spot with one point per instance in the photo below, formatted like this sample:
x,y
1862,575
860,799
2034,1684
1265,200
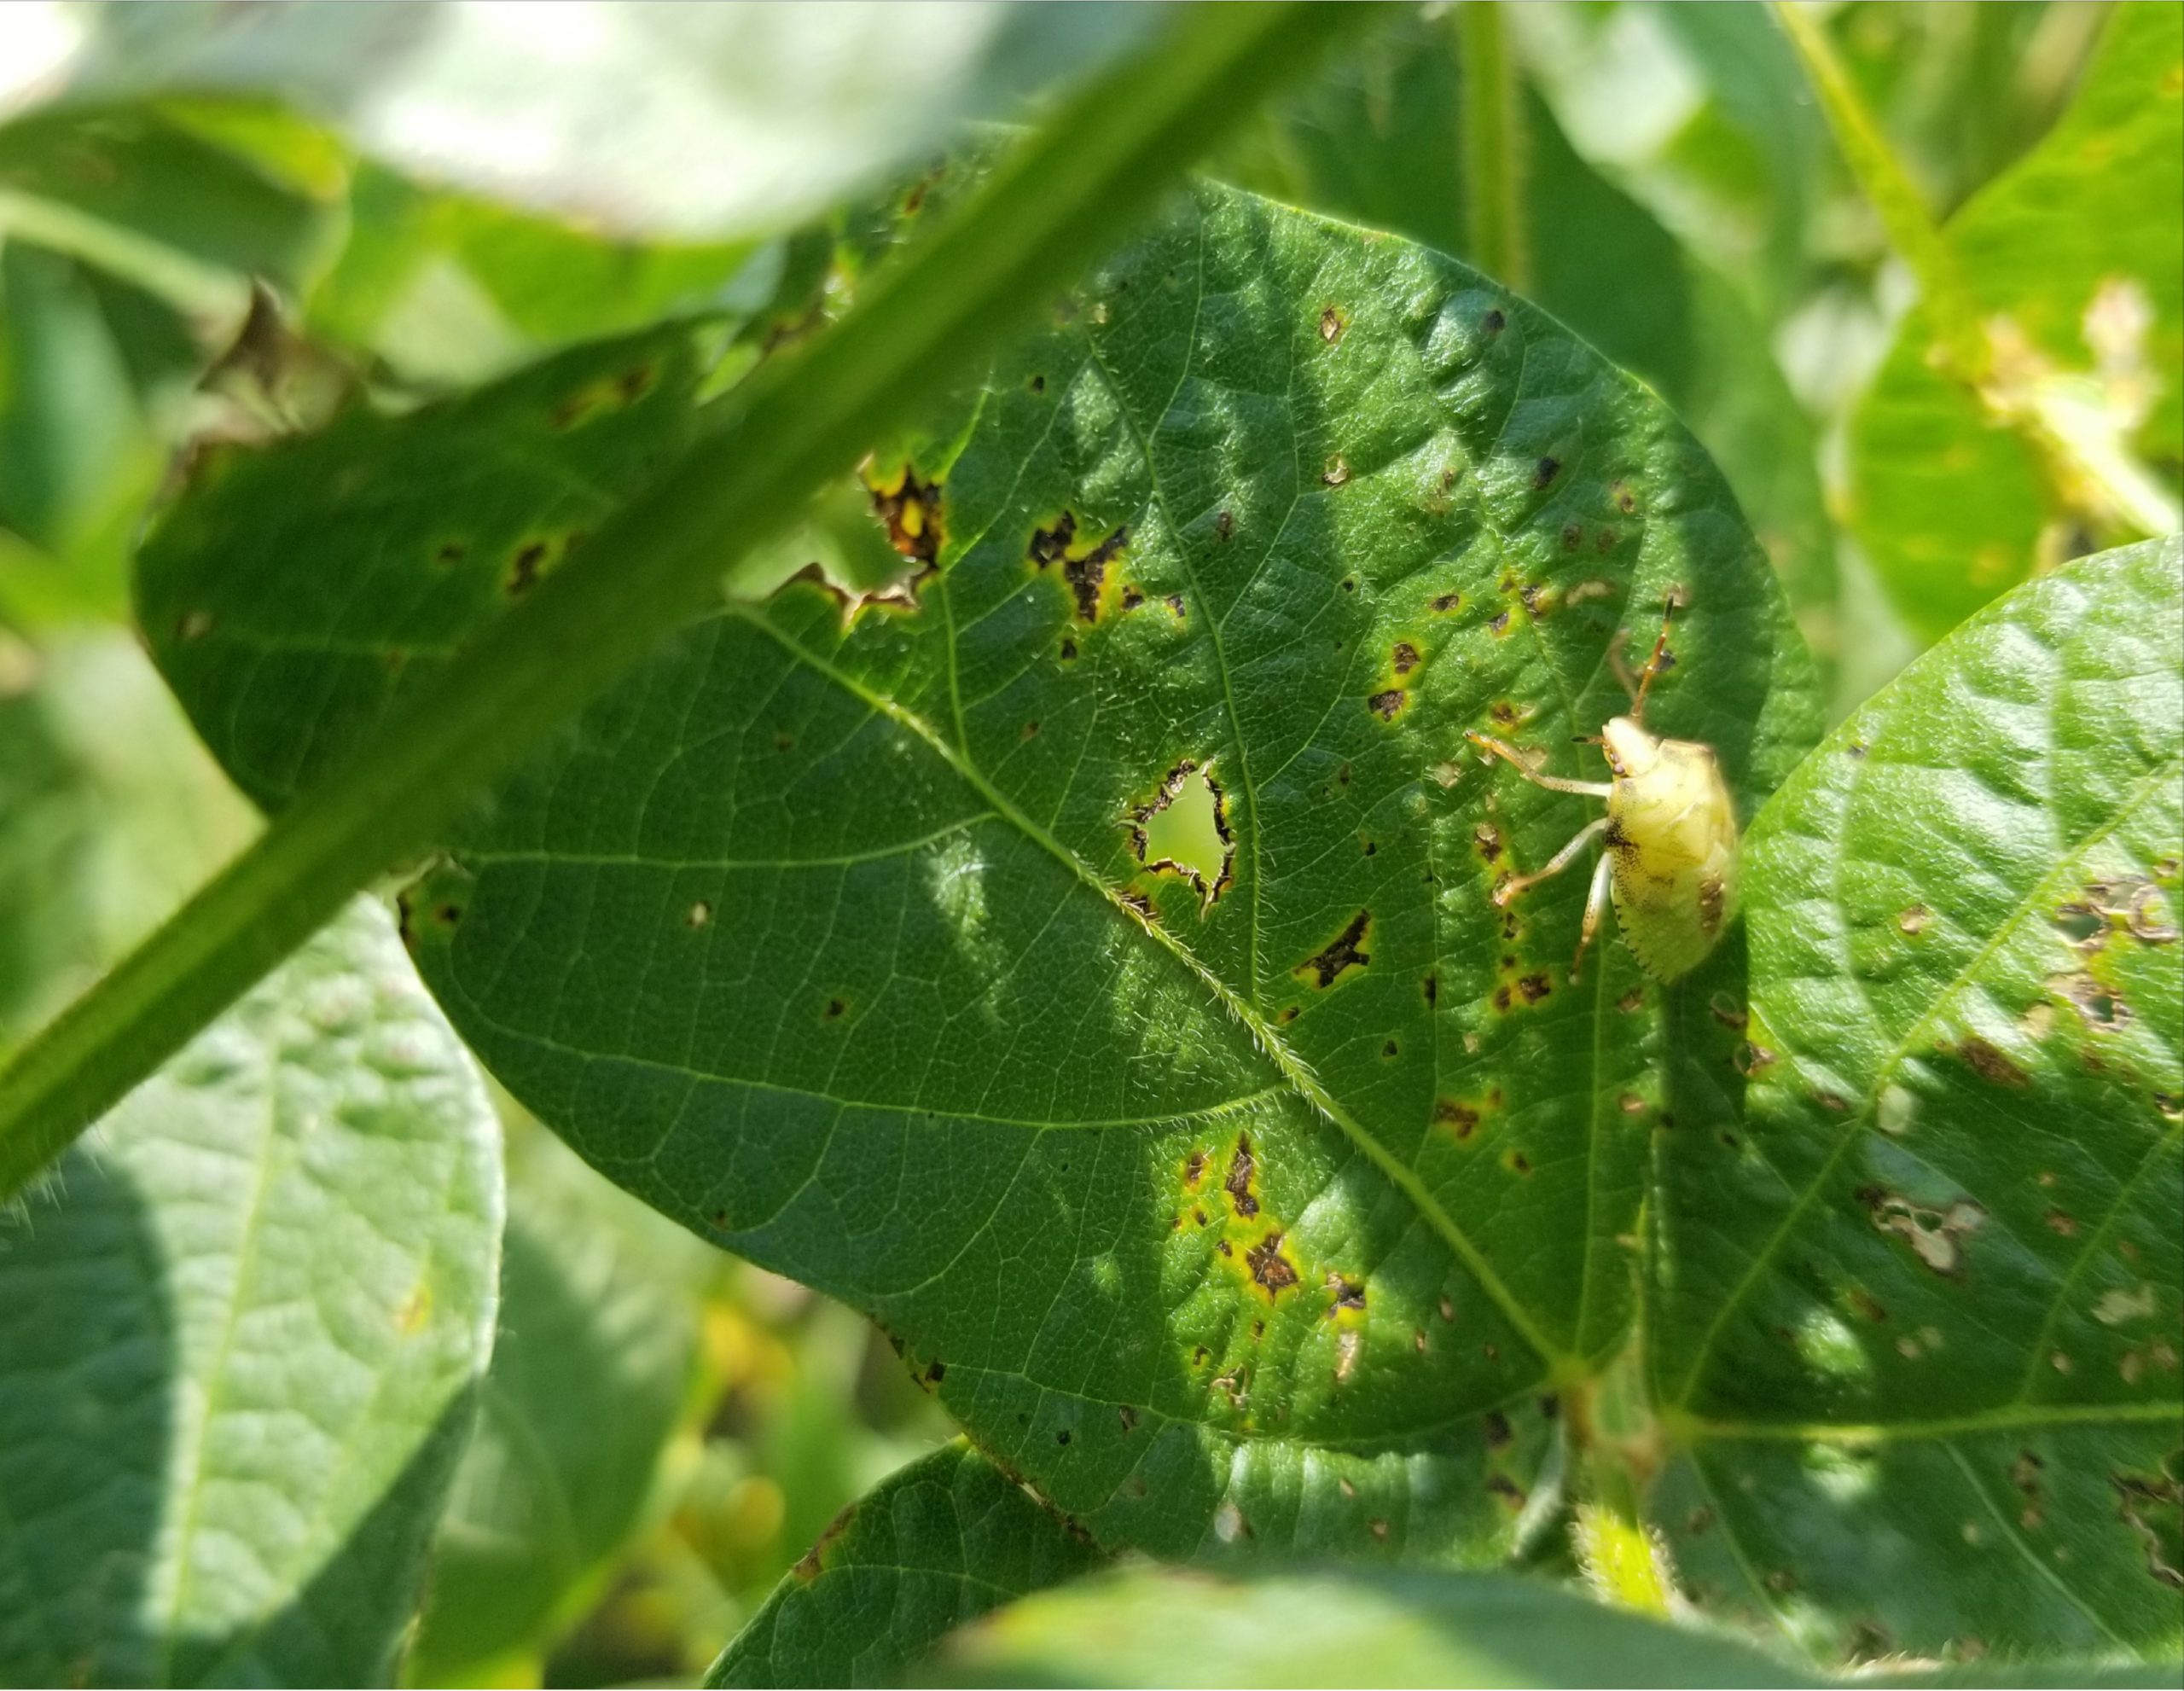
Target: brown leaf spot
x,y
1990,1064
1242,1167
1268,1267
1344,952
909,510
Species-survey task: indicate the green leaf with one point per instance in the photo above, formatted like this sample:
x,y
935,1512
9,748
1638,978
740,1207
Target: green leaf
x,y
145,176
2074,268
1054,202
1211,1198
443,285
1379,137
1916,1317
1391,1628
937,1545
242,1336
1701,114
592,1373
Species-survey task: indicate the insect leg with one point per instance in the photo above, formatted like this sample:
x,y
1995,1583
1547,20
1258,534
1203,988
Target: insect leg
x,y
1661,661
1553,866
1595,908
1554,783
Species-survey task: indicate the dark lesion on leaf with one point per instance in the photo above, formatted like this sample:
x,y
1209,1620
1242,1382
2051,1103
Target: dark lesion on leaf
x,y
910,508
529,564
1272,1270
813,1561
1345,951
1989,1064
1083,566
1389,704
1243,1166
2153,1506
1349,1296
608,393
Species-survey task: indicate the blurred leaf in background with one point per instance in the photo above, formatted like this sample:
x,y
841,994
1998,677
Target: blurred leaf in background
x,y
2068,434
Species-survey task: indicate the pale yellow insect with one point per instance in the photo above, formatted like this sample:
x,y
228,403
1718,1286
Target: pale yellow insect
x,y
1670,833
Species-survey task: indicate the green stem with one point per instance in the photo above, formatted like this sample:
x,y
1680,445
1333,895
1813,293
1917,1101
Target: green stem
x,y
1066,194
1493,147
1912,230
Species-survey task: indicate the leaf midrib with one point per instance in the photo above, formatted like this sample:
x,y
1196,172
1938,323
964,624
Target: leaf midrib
x,y
1291,1068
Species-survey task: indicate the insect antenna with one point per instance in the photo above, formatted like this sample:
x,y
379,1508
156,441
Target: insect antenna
x,y
1662,660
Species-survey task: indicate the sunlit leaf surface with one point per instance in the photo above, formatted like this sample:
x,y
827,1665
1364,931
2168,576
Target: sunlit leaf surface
x,y
1918,1318
243,1333
1237,1210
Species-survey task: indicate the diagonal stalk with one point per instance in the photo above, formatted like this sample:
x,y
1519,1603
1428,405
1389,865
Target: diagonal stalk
x,y
1067,193
1494,145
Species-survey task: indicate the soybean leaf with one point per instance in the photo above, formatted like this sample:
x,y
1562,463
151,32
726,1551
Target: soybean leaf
x,y
1379,137
242,1335
1083,961
1916,1317
939,1544
593,1372
750,117
2080,289
1386,1627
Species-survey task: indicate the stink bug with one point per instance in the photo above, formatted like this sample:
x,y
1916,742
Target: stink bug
x,y
1670,833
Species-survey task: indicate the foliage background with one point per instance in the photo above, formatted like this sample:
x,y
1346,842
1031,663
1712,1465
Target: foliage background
x,y
666,1431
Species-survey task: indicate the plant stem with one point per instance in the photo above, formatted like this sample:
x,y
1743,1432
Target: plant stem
x,y
1889,189
1067,193
1493,147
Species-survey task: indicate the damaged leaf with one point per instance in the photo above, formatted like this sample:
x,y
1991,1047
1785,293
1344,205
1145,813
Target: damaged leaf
x,y
830,933
1922,1337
